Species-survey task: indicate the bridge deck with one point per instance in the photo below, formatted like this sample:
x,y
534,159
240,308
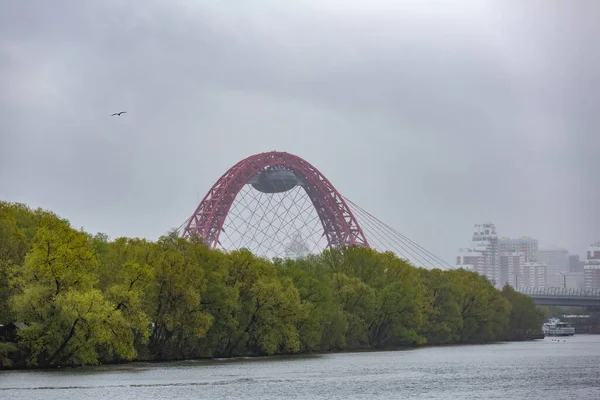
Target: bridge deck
x,y
559,296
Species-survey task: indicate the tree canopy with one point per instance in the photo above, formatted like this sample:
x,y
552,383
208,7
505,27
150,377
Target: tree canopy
x,y
85,299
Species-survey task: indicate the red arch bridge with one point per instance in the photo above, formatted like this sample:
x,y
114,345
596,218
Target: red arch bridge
x,y
278,205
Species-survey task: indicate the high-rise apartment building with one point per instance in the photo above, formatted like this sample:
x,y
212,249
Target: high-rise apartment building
x,y
557,260
509,265
469,258
532,274
520,273
482,257
591,267
520,263
525,245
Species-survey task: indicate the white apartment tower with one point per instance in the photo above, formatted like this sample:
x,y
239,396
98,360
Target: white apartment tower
x,y
591,268
482,257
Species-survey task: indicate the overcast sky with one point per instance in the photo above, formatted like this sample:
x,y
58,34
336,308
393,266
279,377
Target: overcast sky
x,y
434,117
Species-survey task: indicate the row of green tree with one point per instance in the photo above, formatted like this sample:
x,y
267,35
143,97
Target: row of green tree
x,y
84,299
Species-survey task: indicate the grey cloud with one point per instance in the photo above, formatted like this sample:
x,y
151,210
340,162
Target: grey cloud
x,y
433,120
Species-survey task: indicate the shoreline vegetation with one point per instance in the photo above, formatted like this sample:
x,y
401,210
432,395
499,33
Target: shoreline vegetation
x,y
69,298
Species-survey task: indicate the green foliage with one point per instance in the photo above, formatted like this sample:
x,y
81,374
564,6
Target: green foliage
x,y
259,312
443,318
13,248
525,319
6,351
74,327
68,320
484,312
88,299
174,297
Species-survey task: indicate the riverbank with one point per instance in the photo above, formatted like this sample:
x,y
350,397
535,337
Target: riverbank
x,y
288,356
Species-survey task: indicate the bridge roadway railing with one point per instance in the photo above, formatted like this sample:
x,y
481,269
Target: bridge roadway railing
x,y
559,291
562,296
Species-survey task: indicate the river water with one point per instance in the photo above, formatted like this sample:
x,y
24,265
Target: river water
x,y
567,368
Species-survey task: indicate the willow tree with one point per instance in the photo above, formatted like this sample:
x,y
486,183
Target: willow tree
x,y
69,321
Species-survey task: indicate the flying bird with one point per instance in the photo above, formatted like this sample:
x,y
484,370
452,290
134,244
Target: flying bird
x,y
118,113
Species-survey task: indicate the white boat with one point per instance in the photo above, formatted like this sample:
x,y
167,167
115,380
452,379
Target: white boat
x,y
555,327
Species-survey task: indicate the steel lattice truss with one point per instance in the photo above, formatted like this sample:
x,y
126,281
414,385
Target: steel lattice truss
x,y
284,225
338,225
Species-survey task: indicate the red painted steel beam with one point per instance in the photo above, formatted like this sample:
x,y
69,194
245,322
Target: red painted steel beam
x,y
339,224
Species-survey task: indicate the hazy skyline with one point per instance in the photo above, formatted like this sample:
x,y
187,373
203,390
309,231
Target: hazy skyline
x,y
434,116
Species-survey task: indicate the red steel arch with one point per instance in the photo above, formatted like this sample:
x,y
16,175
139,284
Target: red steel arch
x,y
339,224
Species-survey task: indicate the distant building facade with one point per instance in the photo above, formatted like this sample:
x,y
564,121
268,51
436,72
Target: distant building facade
x,y
592,267
532,274
519,262
470,258
486,239
575,263
525,245
482,257
510,265
557,260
